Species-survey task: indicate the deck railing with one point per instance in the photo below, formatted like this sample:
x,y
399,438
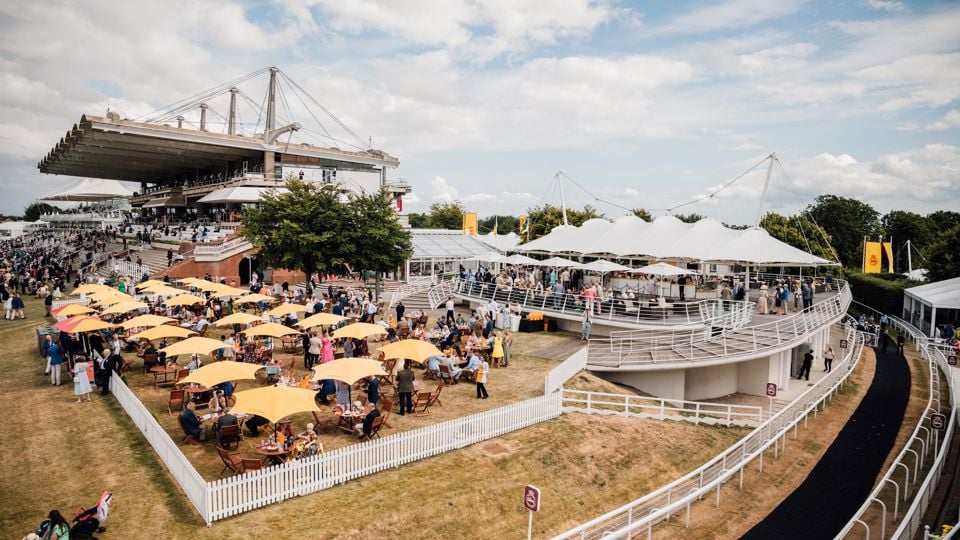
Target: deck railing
x,y
661,408
217,252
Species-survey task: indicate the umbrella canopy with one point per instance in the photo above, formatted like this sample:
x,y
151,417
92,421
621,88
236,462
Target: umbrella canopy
x,y
560,262
521,259
603,266
117,298
199,345
226,290
184,300
150,283
124,307
162,290
237,318
205,285
191,281
145,321
90,324
348,370
414,349
663,269
321,319
270,329
67,325
488,257
90,288
164,331
218,372
286,309
275,402
359,331
70,310
253,298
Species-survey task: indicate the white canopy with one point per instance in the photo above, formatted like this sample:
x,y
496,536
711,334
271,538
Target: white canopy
x,y
940,294
92,189
521,259
602,266
502,242
669,238
488,257
239,194
663,269
560,262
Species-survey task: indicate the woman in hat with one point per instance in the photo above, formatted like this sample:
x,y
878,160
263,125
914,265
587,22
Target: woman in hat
x,y
762,306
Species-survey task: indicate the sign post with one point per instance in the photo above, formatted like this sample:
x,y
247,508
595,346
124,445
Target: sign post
x,y
952,359
843,344
531,501
771,393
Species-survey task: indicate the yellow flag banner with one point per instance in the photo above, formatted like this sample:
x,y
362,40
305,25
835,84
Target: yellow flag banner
x,y
888,249
524,225
872,258
470,223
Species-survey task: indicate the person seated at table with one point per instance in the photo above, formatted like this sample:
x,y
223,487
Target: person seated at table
x,y
328,387
373,389
226,419
218,402
433,364
201,325
473,363
226,388
369,414
194,363
192,425
149,350
452,363
343,394
254,423
418,332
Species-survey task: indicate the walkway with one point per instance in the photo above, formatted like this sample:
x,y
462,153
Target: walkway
x,y
837,486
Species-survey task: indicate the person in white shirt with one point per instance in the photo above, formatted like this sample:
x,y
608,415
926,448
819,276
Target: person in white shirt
x,y
201,325
450,314
371,312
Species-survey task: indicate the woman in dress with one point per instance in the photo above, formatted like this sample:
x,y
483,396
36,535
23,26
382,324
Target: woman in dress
x,y
507,341
497,353
762,306
326,349
81,382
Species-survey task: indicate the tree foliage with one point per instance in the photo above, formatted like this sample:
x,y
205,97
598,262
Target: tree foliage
x,y
544,218
314,227
503,224
689,218
643,214
799,232
944,260
445,215
847,221
418,220
37,209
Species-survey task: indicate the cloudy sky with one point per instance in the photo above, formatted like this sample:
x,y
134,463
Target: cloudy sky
x,y
640,104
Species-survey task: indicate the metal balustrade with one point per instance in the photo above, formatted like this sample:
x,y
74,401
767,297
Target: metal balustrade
x,y
661,408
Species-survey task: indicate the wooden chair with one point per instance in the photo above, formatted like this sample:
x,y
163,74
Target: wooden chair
x,y
149,361
403,331
251,464
431,375
231,435
231,461
388,366
435,395
446,376
386,409
181,375
469,375
374,429
187,438
422,402
178,398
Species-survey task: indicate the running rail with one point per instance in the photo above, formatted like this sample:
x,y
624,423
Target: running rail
x,y
927,437
679,495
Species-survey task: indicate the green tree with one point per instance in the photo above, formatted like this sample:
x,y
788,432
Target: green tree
x,y
543,219
378,243
445,215
944,220
689,218
643,214
903,226
799,232
944,260
303,229
37,209
418,221
847,221
503,224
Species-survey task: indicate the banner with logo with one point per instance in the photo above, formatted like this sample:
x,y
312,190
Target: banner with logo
x,y
888,249
872,258
524,225
470,223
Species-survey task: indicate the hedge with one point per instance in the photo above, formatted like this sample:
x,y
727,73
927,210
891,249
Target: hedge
x,y
883,292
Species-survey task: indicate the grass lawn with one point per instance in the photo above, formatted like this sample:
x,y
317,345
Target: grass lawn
x,y
62,455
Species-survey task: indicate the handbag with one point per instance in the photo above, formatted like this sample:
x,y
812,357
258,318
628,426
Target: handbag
x,y
47,372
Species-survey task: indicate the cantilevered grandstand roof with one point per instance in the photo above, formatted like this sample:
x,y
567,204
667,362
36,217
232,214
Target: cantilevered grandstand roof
x,y
445,244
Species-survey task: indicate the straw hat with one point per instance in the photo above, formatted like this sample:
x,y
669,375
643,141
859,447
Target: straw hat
x,y
763,287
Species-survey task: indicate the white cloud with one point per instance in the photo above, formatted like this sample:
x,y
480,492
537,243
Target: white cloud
x,y
730,14
443,191
887,5
950,120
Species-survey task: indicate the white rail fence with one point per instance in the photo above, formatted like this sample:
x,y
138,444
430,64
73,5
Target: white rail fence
x,y
678,496
179,466
563,372
696,412
904,471
127,268
218,252
245,492
83,301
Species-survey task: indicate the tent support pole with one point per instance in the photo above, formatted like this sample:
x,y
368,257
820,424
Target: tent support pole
x,y
766,184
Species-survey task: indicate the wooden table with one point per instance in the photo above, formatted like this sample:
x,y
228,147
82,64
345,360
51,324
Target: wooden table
x,y
197,391
276,456
164,370
346,422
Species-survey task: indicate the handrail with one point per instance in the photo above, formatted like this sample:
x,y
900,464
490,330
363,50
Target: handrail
x,y
673,497
630,404
747,340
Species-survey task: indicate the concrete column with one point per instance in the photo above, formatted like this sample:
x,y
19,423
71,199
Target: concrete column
x,y
933,322
268,164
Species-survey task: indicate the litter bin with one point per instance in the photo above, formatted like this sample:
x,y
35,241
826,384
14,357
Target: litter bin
x,y
42,332
515,323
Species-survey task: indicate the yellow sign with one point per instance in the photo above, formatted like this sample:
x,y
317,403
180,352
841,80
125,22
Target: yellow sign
x,y
888,249
872,258
524,225
470,223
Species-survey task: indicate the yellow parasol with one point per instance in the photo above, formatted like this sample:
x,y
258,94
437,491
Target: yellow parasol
x,y
164,331
218,372
184,300
70,310
253,298
145,321
238,318
199,345
124,307
286,309
150,283
115,299
321,319
163,291
359,331
348,370
91,288
190,280
275,402
90,325
269,329
205,285
414,349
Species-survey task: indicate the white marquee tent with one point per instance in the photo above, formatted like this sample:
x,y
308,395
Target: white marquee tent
x,y
92,189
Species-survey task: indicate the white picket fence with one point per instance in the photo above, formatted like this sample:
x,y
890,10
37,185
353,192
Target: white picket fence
x,y
661,409
127,268
183,472
245,492
83,301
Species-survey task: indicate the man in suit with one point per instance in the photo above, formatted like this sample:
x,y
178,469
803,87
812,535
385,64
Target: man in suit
x,y
225,420
366,428
192,425
405,380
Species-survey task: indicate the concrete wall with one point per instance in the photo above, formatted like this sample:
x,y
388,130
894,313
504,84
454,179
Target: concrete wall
x,y
667,384
753,376
711,382
228,269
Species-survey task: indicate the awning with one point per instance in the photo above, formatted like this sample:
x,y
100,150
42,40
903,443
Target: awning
x,y
92,189
169,202
238,194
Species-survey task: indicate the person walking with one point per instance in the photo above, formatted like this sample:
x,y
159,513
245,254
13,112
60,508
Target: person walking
x,y
405,378
725,296
451,316
17,304
586,324
81,382
482,380
806,365
900,341
828,360
314,348
55,354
